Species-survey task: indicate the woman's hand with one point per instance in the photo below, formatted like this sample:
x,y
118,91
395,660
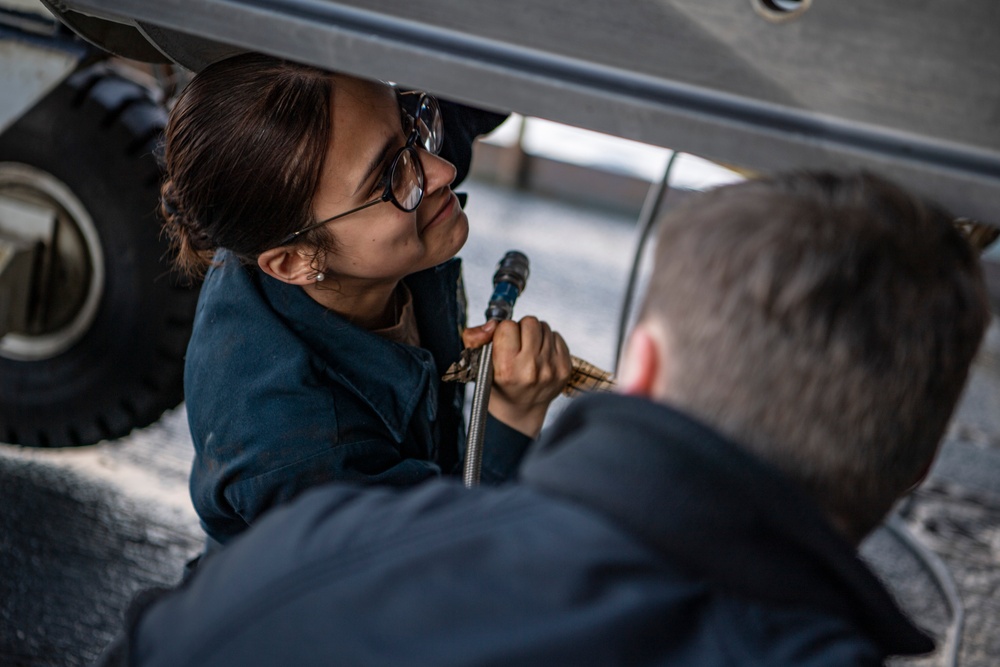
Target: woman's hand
x,y
531,365
473,337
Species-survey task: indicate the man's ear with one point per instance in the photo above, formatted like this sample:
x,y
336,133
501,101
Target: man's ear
x,y
287,265
643,365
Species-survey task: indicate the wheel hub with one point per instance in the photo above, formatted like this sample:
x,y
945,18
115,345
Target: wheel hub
x,y
51,264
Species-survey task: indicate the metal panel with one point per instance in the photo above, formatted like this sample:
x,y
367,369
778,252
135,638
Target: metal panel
x,y
905,87
30,68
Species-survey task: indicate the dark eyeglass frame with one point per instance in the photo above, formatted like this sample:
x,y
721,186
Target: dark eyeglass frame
x,y
432,144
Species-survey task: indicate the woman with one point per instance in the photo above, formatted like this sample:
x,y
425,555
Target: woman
x,y
332,302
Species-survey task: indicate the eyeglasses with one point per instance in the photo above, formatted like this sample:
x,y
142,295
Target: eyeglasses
x,y
403,181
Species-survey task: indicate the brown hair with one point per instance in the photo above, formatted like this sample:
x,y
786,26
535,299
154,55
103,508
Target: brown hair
x,y
825,322
244,150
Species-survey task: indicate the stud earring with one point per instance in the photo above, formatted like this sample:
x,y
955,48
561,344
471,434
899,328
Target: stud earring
x,y
320,277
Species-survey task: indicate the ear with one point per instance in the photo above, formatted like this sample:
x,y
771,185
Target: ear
x,y
287,265
643,364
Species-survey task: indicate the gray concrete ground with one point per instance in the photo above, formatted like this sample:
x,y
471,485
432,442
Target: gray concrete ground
x,y
83,530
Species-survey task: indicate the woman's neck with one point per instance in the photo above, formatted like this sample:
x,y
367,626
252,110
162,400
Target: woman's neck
x,y
369,306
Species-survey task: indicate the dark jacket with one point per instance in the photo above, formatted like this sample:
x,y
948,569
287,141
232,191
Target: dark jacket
x,y
283,394
637,537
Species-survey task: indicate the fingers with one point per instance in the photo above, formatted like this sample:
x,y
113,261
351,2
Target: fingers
x,y
564,364
515,352
478,336
507,339
531,366
536,336
531,362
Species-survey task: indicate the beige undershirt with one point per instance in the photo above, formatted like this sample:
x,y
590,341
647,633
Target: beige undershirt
x,y
405,328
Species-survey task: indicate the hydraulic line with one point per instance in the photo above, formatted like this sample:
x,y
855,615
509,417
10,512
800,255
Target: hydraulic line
x,y
508,282
647,217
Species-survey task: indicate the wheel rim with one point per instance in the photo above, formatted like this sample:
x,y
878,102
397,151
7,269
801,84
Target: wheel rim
x,y
77,273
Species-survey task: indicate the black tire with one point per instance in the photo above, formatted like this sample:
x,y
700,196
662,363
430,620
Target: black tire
x,y
121,364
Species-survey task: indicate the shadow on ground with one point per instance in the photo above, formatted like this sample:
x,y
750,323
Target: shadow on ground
x,y
72,555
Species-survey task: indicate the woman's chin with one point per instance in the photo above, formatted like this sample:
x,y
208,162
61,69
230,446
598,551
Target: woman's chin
x,y
447,240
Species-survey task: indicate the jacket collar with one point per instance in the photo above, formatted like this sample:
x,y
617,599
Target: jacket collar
x,y
350,352
714,509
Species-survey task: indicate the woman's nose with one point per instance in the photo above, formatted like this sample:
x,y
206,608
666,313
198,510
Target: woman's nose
x,y
438,172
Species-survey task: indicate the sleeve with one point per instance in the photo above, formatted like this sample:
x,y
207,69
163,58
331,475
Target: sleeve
x,y
368,462
503,449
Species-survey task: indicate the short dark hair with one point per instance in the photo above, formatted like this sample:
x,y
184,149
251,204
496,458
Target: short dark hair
x,y
244,150
827,322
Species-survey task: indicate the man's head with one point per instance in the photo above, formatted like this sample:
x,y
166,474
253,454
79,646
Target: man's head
x,y
825,322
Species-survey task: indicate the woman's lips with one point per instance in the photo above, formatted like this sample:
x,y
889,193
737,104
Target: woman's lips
x,y
443,212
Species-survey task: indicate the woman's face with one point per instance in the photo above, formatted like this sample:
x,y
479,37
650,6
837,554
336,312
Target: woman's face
x,y
381,243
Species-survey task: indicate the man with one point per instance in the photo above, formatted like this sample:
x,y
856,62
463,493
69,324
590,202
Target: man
x,y
802,344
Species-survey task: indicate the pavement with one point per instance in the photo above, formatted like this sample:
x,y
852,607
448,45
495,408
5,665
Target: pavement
x,y
83,530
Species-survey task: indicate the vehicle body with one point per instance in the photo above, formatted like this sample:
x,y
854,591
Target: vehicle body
x,y
905,89
908,89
